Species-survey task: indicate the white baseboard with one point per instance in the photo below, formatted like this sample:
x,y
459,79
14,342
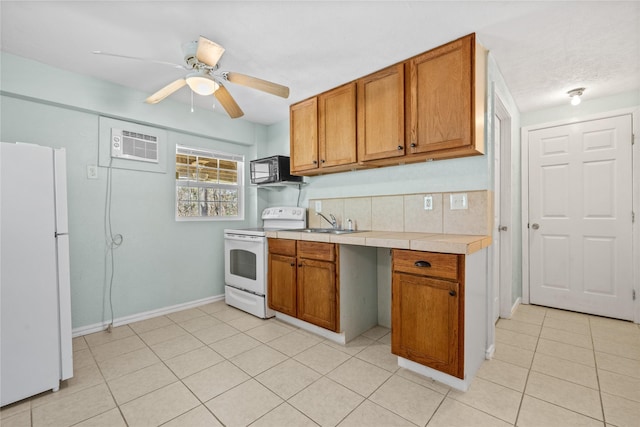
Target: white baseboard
x,y
97,327
325,333
488,354
515,306
453,382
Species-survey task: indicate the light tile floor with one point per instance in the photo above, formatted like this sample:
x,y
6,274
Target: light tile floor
x,y
215,365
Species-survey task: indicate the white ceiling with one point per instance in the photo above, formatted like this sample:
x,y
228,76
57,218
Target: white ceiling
x,y
542,48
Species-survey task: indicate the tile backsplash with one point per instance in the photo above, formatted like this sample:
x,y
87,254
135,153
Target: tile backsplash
x,y
405,212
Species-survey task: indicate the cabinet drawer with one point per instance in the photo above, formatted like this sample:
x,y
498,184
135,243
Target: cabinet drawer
x,y
426,263
317,250
282,247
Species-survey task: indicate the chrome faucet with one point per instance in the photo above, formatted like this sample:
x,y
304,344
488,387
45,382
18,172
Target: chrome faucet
x,y
333,221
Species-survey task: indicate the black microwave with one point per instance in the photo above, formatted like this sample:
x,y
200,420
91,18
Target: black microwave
x,y
272,170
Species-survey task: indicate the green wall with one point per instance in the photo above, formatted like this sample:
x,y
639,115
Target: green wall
x,y
161,262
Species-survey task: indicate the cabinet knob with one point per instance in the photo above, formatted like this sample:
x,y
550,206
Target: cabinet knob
x,y
299,265
315,162
422,264
322,160
452,293
413,145
293,264
400,148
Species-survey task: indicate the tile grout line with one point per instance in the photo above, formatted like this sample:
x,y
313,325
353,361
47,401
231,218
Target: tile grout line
x,y
526,382
595,361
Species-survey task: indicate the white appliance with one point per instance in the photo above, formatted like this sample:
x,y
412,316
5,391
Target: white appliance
x,y
35,340
245,259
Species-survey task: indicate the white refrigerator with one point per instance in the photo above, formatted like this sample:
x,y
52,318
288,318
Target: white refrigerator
x,y
35,320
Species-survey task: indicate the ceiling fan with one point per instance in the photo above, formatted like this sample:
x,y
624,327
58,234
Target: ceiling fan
x,y
204,78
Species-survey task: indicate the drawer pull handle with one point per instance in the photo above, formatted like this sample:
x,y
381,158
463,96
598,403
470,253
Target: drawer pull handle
x,y
452,293
422,264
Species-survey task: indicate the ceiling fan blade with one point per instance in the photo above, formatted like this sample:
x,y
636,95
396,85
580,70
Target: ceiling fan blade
x,y
165,91
155,61
208,51
228,103
256,83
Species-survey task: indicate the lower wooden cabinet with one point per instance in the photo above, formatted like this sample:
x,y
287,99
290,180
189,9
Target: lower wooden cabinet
x,y
317,293
303,281
282,280
427,309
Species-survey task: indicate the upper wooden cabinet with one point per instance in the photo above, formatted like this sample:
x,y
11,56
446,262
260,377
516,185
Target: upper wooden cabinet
x,y
381,114
444,85
428,107
303,127
323,132
337,126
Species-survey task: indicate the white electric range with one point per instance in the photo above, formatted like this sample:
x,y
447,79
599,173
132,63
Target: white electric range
x,y
245,259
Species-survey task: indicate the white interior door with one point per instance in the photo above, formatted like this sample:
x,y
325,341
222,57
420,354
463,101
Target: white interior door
x,y
496,218
502,232
580,217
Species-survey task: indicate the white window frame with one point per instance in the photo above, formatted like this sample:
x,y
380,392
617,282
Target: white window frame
x,y
239,186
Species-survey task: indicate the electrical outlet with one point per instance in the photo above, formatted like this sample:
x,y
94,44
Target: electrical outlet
x,y
428,203
318,206
458,201
92,172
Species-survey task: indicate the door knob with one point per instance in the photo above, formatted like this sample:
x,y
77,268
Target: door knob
x,y
535,226
502,228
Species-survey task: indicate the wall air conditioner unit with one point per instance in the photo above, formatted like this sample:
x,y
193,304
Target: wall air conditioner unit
x,y
134,146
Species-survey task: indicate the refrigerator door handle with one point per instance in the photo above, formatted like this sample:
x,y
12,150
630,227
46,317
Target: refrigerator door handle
x,y
56,234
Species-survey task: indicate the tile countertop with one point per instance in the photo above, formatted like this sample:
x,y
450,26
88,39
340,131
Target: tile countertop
x,y
430,242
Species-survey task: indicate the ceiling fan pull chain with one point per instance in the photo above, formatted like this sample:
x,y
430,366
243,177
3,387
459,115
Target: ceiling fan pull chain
x,y
192,101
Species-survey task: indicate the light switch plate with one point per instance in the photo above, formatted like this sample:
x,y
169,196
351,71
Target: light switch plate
x,y
318,206
428,203
458,201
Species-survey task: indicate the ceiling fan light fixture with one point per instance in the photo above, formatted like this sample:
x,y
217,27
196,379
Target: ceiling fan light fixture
x,y
575,95
202,84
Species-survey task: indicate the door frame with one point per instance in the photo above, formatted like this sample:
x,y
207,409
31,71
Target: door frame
x,y
635,172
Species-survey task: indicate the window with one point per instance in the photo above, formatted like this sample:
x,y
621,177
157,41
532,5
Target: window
x,y
208,184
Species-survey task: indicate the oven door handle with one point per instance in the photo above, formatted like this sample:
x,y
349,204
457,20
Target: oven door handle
x,y
243,238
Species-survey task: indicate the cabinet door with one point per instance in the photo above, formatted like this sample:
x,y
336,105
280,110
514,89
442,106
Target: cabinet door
x,y
304,135
337,126
426,320
440,98
317,293
282,284
381,114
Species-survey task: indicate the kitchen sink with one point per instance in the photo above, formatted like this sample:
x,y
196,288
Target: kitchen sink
x,y
325,230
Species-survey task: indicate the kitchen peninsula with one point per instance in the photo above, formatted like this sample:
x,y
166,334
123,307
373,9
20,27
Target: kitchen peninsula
x,y
439,317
